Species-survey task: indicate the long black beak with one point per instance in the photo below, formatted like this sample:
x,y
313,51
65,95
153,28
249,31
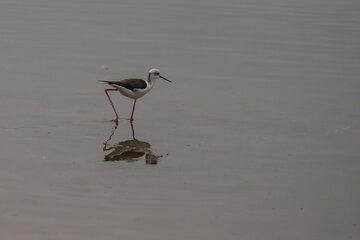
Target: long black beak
x,y
165,79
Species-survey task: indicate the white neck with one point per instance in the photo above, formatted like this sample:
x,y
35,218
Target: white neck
x,y
151,79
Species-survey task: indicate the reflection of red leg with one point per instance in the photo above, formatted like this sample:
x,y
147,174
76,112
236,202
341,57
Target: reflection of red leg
x,y
106,91
132,130
106,148
132,113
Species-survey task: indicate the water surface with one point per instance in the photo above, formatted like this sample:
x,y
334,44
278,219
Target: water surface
x,y
257,138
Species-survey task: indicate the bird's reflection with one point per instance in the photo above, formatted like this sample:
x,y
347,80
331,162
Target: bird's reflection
x,y
129,150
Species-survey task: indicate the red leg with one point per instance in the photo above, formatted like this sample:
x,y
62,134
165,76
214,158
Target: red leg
x,y
106,91
132,113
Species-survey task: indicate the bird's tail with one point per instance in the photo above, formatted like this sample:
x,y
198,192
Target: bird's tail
x,y
107,82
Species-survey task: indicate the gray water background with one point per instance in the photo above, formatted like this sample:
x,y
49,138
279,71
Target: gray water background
x,y
260,131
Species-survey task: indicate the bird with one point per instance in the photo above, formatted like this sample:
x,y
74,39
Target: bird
x,y
133,88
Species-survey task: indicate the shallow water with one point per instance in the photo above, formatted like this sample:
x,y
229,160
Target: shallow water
x,y
257,138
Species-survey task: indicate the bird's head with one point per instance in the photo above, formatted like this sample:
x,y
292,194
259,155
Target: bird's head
x,y
155,74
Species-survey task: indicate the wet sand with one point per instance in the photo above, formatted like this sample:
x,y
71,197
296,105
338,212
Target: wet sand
x,y
257,138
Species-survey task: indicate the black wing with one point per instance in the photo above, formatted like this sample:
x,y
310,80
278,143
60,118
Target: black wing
x,y
130,83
